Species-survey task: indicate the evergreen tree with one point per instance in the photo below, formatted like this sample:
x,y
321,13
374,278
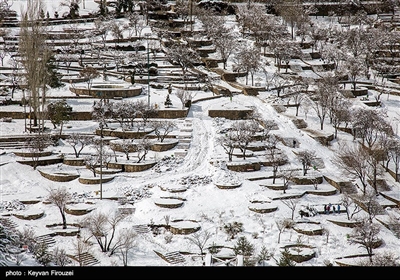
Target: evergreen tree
x,y
243,247
285,259
168,102
53,77
59,112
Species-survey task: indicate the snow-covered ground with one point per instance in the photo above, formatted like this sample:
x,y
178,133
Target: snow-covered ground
x,y
198,172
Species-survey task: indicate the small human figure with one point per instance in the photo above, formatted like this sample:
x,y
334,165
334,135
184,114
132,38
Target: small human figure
x,y
334,209
294,143
56,14
328,208
338,208
325,209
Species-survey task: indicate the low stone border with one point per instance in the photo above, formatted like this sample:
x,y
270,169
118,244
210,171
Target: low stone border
x,y
300,253
310,229
174,189
74,161
262,207
307,180
94,180
169,202
275,187
162,147
137,167
30,201
41,162
29,215
225,186
246,166
78,209
108,171
33,154
71,230
107,91
127,134
59,177
184,226
349,224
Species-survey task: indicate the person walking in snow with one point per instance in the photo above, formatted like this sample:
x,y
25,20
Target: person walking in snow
x,y
338,208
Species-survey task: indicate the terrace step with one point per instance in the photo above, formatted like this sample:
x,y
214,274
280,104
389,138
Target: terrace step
x,y
141,228
48,239
86,259
172,257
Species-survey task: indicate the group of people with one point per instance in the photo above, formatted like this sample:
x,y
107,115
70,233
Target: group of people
x,y
329,207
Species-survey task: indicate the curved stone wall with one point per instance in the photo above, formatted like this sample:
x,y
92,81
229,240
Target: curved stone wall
x,y
108,92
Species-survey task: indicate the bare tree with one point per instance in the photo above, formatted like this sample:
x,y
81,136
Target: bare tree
x,y
249,59
340,112
103,226
143,148
394,155
35,145
348,203
228,141
184,96
183,55
162,129
369,204
92,162
292,12
286,175
306,157
292,204
136,23
365,234
60,197
200,239
325,91
89,73
127,241
225,44
381,259
370,125
34,54
245,130
117,30
283,224
355,67
274,156
353,161
79,141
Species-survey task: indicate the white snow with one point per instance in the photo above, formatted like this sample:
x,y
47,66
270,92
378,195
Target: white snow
x,y
192,177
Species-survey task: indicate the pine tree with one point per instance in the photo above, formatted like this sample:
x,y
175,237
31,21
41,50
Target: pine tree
x,y
285,259
53,77
168,102
243,247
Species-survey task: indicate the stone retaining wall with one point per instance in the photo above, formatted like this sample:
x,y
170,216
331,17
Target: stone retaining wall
x,y
137,167
59,177
108,93
162,147
230,114
245,167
